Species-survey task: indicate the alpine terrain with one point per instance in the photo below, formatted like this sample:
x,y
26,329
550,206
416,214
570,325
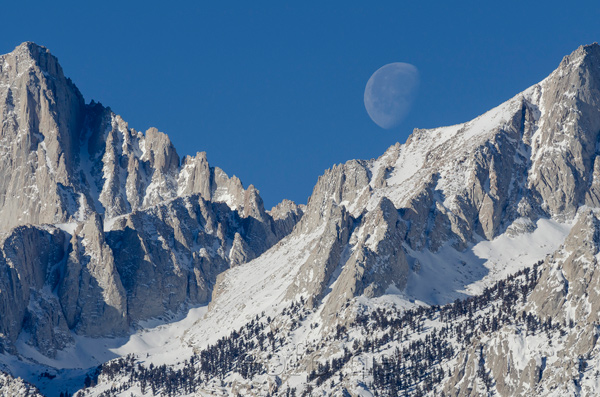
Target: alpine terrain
x,y
463,262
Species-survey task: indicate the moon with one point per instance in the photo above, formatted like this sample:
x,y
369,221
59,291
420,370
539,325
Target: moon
x,y
390,92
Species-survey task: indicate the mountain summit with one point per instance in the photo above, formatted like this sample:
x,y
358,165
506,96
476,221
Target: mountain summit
x,y
461,262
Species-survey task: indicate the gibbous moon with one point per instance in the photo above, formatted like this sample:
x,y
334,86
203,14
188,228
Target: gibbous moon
x,y
390,92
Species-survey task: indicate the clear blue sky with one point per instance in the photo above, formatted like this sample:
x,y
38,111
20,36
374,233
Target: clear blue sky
x,y
273,91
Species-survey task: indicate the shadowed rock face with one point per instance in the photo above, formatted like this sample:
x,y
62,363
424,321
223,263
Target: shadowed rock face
x,y
145,233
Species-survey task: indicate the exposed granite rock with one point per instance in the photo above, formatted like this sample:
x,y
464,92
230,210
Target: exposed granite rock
x,y
565,148
326,256
153,262
29,257
285,216
374,261
59,152
572,277
11,386
42,113
91,293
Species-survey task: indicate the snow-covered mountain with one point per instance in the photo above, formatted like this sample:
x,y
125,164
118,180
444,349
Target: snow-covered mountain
x,y
461,262
102,226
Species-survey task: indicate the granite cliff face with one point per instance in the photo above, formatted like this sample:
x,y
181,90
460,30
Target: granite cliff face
x,y
104,226
42,113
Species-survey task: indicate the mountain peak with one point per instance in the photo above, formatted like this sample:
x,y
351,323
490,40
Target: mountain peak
x,y
31,47
28,54
589,48
588,54
30,50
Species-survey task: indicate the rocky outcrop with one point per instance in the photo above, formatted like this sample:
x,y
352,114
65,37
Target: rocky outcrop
x,y
11,386
353,255
285,216
152,262
55,287
374,261
30,262
572,280
325,257
91,294
565,148
552,363
457,182
171,254
127,171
